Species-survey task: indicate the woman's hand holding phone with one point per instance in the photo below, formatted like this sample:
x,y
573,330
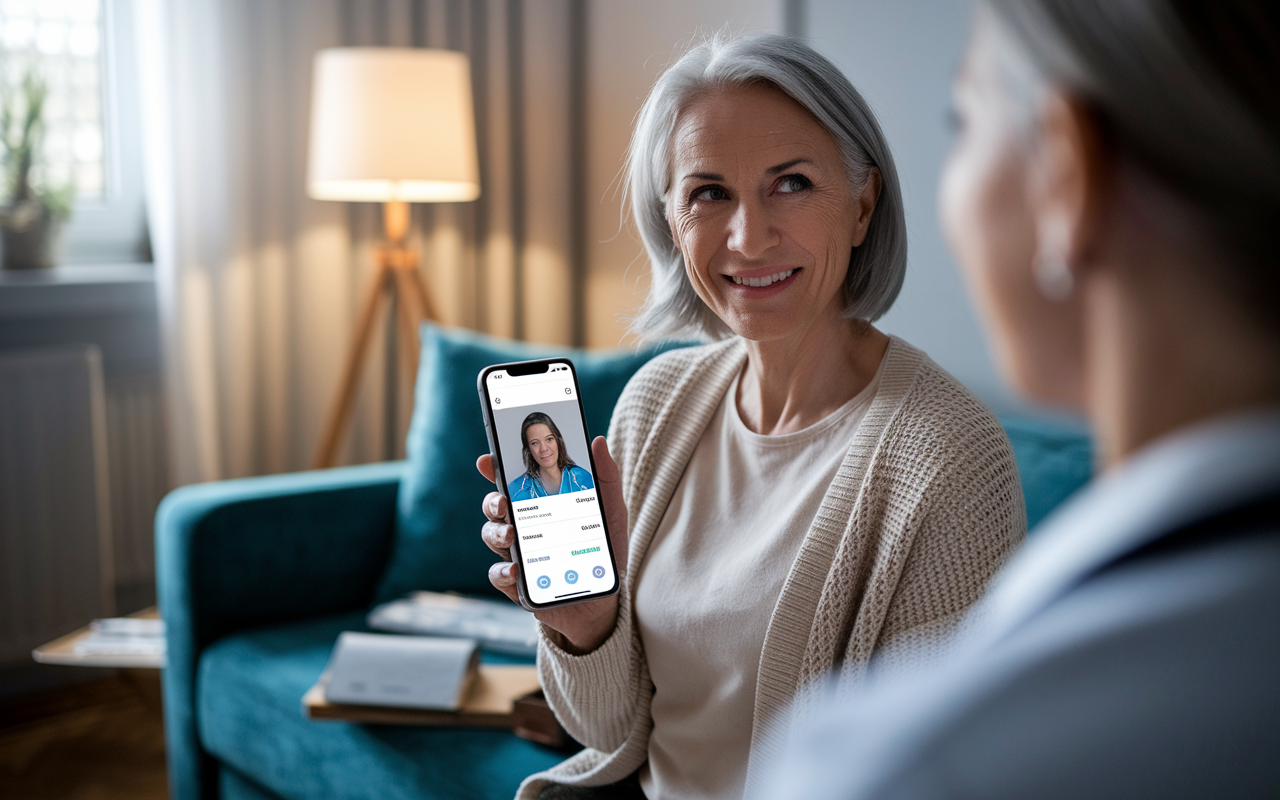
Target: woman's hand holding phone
x,y
582,627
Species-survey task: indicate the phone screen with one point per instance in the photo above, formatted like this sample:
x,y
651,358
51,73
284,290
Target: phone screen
x,y
545,464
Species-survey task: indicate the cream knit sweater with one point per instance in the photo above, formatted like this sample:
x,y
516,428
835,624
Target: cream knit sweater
x,y
924,509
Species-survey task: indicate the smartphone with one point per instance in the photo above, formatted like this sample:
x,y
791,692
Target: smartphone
x,y
542,462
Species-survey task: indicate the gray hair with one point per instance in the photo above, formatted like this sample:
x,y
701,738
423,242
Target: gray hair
x,y
877,266
1185,92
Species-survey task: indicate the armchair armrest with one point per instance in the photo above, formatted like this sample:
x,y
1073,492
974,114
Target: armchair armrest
x,y
238,554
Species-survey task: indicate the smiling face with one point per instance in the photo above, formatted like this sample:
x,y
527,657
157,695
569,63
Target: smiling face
x,y
543,446
761,208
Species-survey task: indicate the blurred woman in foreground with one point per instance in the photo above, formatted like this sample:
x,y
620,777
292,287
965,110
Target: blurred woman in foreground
x,y
1113,198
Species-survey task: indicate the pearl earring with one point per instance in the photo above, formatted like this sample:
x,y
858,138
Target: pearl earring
x,y
1053,277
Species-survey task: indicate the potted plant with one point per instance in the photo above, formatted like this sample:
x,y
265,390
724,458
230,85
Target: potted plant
x,y
34,211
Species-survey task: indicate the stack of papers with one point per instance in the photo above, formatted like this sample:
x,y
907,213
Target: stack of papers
x,y
500,626
123,636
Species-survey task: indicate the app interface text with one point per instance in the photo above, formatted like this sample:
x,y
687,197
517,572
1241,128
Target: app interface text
x,y
546,464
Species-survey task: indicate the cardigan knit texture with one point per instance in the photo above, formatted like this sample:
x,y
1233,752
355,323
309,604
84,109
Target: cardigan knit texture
x,y
924,509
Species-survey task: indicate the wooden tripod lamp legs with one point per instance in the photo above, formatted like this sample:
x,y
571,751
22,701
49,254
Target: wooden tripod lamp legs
x,y
396,271
410,313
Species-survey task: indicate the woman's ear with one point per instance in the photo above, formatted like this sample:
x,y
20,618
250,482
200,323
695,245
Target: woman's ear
x,y
866,205
1067,192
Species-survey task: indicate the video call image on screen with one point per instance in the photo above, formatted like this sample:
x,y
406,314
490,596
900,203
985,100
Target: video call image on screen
x,y
546,463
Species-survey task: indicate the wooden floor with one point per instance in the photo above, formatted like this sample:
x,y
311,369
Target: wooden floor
x,y
95,741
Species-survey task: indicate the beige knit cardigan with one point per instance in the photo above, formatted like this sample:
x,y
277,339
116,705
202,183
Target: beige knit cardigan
x,y
923,510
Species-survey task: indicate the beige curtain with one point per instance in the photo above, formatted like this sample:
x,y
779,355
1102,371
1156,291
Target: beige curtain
x,y
259,283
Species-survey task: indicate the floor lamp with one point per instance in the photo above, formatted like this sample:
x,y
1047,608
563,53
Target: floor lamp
x,y
396,126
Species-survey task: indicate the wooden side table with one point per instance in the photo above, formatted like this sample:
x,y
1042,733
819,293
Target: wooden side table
x,y
62,651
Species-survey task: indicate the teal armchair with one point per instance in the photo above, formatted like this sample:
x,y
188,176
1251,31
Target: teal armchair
x,y
257,577
261,554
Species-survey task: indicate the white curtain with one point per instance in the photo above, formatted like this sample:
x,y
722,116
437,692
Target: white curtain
x,y
259,283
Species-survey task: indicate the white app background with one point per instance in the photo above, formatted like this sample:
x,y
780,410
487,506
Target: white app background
x,y
563,548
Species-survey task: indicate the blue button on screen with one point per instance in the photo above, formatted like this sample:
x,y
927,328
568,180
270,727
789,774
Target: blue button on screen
x,y
544,582
571,577
598,572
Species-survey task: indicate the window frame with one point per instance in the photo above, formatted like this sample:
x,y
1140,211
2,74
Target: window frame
x,y
113,229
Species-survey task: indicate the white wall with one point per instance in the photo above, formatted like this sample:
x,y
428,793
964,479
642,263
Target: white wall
x,y
901,56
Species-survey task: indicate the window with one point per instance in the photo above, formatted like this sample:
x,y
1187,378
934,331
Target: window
x,y
81,50
61,43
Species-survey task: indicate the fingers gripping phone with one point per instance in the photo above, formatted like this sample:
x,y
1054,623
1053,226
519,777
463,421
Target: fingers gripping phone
x,y
542,462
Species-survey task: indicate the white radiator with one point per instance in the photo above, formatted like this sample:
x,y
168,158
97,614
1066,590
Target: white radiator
x,y
55,521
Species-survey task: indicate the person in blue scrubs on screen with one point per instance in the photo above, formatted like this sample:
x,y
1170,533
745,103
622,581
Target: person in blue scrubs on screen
x,y
548,468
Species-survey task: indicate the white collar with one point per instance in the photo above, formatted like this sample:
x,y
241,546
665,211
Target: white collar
x,y
1185,476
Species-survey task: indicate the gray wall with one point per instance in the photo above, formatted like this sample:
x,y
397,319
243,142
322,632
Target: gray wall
x,y
901,56
629,44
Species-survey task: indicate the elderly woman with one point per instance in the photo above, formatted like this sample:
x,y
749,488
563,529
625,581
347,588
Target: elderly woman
x,y
1112,197
801,494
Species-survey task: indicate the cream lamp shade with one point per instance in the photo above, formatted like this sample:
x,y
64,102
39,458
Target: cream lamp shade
x,y
392,124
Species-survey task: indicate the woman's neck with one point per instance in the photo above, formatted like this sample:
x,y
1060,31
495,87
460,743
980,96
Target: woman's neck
x,y
550,477
1162,353
792,383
